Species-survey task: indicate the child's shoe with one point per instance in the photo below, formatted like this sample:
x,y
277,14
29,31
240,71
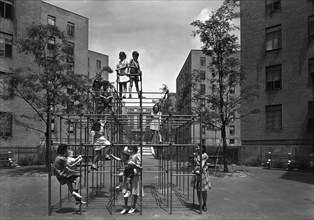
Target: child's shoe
x,y
128,193
131,211
76,195
93,167
123,211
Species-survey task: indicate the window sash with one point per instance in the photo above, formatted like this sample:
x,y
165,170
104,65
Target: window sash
x,y
6,121
203,90
273,38
273,117
311,26
202,61
311,70
202,75
71,28
6,41
273,77
51,20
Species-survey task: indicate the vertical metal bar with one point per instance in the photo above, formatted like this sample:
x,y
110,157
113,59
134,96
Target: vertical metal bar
x,y
49,163
170,178
201,165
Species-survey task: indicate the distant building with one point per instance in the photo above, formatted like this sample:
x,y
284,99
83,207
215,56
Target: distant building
x,y
15,17
197,60
277,53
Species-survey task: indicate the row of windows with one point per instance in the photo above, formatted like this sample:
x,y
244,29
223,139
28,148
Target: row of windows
x,y
274,116
231,130
70,26
274,35
274,75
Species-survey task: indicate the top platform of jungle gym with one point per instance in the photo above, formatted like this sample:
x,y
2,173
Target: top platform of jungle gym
x,y
171,155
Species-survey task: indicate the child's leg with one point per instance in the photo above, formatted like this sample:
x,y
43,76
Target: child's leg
x,y
137,88
77,183
160,140
128,183
96,157
130,87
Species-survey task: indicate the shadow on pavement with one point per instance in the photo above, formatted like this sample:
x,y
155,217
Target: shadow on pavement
x,y
299,176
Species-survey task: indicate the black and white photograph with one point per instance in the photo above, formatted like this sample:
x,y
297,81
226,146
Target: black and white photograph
x,y
157,109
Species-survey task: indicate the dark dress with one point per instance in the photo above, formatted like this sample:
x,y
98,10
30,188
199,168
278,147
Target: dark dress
x,y
63,172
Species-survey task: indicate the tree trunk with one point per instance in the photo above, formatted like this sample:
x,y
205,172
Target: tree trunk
x,y
224,147
47,135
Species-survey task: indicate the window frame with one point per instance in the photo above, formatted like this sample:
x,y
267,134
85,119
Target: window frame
x,y
6,131
203,61
311,115
51,18
202,89
7,3
270,116
51,43
232,130
270,7
311,71
98,67
202,74
71,29
272,34
6,43
273,69
310,23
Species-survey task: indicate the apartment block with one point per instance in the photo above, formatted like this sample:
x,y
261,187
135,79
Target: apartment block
x,y
197,60
277,54
15,17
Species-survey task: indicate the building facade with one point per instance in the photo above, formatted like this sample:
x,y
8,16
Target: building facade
x,y
15,17
277,53
198,61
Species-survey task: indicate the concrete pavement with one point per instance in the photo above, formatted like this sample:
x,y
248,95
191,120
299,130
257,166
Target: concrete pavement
x,y
255,194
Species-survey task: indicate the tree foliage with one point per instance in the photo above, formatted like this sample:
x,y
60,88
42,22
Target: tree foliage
x,y
219,107
52,81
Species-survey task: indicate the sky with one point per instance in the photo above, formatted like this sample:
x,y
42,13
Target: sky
x,y
159,30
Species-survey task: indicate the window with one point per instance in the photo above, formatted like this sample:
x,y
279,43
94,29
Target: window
x,y
6,124
232,89
6,41
71,28
6,9
311,115
51,43
272,6
311,28
202,61
232,130
203,91
231,141
311,71
6,90
273,77
202,75
70,52
203,129
51,20
273,38
98,64
273,117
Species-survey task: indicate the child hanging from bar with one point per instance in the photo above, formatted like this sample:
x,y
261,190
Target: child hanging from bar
x,y
65,173
99,141
129,166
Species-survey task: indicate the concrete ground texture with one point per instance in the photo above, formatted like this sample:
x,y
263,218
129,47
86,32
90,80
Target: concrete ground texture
x,y
244,193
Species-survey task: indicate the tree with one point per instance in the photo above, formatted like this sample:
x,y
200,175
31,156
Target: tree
x,y
217,109
52,81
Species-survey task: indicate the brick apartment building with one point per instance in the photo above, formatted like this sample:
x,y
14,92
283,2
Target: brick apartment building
x,y
277,53
15,17
197,60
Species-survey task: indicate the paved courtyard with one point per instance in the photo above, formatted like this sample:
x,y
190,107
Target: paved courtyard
x,y
256,193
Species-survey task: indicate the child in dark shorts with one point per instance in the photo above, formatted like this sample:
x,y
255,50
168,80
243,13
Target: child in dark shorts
x,y
65,173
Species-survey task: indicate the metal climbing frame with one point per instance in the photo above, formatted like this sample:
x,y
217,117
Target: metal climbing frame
x,y
172,156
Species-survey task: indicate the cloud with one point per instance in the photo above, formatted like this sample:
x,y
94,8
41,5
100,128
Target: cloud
x,y
204,14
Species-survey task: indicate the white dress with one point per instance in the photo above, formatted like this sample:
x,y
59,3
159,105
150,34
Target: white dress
x,y
123,76
155,123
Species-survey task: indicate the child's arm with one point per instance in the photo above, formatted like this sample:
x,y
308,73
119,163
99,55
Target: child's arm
x,y
77,160
114,157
